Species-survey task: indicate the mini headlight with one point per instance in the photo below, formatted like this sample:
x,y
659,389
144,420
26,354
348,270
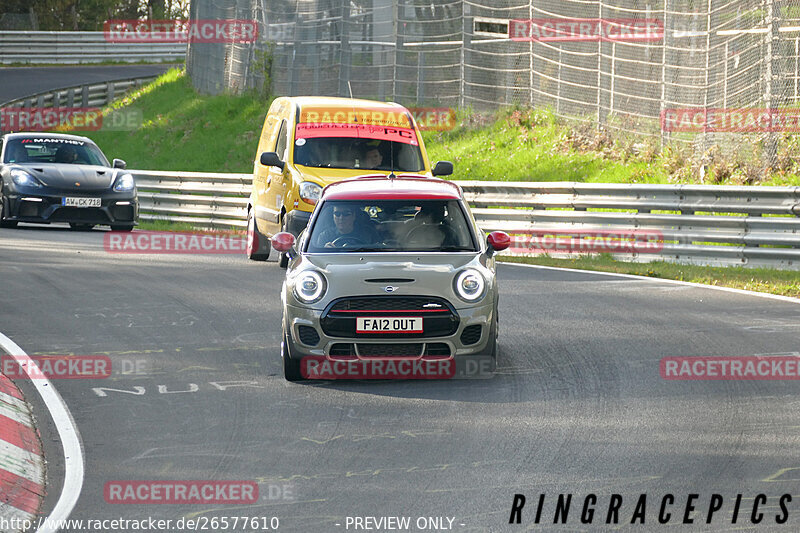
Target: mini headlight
x,y
124,183
23,179
310,192
309,287
470,285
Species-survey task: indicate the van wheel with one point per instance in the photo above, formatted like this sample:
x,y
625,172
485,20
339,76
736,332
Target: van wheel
x,y
291,367
283,259
258,246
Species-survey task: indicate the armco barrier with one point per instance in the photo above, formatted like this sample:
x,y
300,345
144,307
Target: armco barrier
x,y
701,224
73,47
86,95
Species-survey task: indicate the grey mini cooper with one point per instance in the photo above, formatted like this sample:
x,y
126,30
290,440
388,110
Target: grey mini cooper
x,y
392,278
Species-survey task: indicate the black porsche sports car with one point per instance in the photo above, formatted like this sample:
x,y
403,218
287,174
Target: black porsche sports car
x,y
48,177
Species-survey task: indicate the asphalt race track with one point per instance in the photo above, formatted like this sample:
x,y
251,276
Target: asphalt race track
x,y
19,82
577,405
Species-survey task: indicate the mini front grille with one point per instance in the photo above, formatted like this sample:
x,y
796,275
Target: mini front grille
x,y
471,334
391,303
390,350
439,317
342,349
437,348
308,335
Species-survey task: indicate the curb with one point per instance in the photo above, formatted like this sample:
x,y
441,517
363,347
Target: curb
x,y
22,470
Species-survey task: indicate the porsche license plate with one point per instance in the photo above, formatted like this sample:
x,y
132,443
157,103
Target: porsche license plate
x,y
80,202
377,324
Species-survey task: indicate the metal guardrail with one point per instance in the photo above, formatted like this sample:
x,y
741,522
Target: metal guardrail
x,y
701,224
74,47
87,95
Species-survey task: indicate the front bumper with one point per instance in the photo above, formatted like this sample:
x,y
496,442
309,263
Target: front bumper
x,y
45,206
306,326
296,221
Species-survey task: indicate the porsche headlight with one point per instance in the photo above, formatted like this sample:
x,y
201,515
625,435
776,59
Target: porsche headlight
x,y
310,287
310,192
470,285
23,179
124,183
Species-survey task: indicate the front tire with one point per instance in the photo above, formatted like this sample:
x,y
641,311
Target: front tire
x,y
283,259
291,367
258,246
122,227
5,223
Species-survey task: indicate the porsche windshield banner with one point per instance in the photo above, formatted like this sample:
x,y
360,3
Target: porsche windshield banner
x,y
363,123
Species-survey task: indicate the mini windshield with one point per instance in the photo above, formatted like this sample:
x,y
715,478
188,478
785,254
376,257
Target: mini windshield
x,y
53,150
391,226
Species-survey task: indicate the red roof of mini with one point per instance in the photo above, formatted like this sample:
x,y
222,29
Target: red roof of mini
x,y
403,187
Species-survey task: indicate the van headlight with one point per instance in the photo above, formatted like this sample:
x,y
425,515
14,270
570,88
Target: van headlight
x,y
470,285
310,287
310,192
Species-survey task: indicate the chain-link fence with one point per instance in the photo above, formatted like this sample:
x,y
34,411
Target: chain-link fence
x,y
484,54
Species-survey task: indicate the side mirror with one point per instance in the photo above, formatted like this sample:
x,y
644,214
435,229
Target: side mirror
x,y
283,241
119,163
271,159
443,168
497,241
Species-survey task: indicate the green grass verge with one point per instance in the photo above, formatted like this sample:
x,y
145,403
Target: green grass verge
x,y
772,281
182,130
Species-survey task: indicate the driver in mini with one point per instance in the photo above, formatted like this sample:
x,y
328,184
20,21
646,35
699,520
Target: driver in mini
x,y
347,231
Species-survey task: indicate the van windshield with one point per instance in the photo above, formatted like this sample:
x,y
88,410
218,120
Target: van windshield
x,y
357,146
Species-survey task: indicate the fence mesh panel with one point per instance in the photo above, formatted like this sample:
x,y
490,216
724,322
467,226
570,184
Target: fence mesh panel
x,y
710,54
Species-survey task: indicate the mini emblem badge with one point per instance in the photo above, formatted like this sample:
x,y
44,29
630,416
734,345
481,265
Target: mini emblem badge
x,y
390,288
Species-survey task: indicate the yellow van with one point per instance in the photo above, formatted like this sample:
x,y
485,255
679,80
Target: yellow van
x,y
309,142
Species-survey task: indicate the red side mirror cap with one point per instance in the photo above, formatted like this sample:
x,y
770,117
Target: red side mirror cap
x,y
282,241
498,240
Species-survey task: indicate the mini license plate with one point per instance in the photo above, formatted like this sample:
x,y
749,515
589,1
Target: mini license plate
x,y
378,324
80,202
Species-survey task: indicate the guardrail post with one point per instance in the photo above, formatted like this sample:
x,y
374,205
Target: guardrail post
x,y
71,98
110,92
85,96
40,101
56,99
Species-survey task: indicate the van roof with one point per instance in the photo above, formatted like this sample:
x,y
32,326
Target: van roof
x,y
403,187
344,103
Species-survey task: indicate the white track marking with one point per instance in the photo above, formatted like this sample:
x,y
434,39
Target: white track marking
x,y
67,433
662,280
